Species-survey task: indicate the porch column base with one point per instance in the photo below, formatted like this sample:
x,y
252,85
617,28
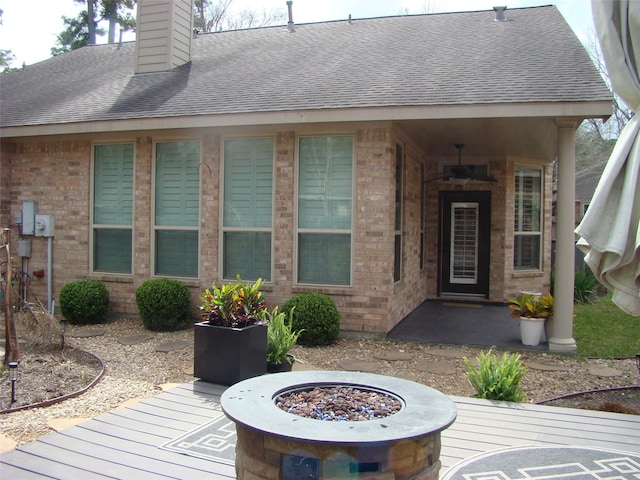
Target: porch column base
x,y
562,345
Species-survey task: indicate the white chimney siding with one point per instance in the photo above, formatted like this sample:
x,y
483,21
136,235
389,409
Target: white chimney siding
x,y
164,33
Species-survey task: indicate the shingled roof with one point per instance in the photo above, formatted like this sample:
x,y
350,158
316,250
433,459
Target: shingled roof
x,y
417,60
587,181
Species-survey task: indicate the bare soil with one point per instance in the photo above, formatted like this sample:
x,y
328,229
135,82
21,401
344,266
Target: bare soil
x,y
623,400
45,374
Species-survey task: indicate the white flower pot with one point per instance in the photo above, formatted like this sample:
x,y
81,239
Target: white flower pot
x,y
531,330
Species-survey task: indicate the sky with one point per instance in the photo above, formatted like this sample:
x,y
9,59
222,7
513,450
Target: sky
x,y
29,28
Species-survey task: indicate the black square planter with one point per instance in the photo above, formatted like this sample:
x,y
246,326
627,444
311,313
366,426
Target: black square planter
x,y
226,356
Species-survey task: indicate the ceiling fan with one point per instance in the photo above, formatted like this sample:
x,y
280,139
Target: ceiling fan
x,y
462,174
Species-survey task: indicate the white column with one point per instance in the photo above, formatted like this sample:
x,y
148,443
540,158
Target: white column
x,y
562,336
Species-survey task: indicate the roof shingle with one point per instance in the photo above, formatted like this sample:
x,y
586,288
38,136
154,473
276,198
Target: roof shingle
x,y
437,59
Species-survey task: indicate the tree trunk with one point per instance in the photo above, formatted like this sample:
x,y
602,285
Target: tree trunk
x,y
91,22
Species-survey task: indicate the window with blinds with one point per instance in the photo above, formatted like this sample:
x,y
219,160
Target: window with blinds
x,y
464,243
423,199
247,208
177,208
112,211
325,203
528,218
397,251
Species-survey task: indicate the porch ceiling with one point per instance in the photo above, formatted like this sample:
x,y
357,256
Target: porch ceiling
x,y
521,137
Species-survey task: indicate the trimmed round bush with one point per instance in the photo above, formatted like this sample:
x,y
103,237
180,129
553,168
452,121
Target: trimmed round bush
x,y
164,304
316,314
84,301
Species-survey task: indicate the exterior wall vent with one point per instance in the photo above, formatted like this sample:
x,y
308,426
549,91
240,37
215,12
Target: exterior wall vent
x,y
290,25
500,17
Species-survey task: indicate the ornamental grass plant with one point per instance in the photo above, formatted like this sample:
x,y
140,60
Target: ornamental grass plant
x,y
497,378
281,338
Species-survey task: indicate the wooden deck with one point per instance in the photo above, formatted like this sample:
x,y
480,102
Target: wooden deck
x,y
125,443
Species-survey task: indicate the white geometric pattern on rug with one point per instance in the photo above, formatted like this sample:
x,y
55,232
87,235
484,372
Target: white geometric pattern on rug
x,y
548,463
618,468
215,440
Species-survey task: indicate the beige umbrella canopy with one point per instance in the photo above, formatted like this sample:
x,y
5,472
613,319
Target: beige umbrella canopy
x,y
609,231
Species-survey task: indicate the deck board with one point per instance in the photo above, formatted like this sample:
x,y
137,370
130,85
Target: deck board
x,y
44,467
146,459
124,443
116,467
152,452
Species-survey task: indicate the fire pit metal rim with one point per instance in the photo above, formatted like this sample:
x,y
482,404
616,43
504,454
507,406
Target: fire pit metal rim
x,y
425,410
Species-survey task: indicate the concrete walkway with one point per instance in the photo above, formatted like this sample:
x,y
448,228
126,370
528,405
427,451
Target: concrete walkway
x,y
460,323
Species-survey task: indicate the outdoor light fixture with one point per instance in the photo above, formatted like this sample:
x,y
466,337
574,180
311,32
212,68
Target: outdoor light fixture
x,y
13,366
462,174
63,323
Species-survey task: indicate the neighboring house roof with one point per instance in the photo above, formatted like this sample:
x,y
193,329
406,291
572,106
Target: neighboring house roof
x,y
405,61
587,181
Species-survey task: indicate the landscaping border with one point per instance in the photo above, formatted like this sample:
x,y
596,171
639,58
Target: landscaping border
x,y
55,400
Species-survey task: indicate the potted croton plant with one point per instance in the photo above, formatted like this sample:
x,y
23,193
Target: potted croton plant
x,y
230,341
532,310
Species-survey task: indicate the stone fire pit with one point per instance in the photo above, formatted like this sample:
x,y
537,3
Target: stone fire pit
x,y
275,444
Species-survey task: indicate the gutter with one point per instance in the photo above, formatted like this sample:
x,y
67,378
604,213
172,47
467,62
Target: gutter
x,y
576,110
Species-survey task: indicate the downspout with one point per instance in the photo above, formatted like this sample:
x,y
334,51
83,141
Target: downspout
x,y
50,274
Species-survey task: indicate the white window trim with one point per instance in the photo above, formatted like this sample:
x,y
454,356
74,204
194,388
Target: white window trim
x,y
222,230
398,233
539,233
153,227
297,231
423,216
94,225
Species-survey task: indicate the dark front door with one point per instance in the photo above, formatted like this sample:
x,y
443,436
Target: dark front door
x,y
465,230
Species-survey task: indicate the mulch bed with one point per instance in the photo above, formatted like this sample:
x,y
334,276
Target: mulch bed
x,y
620,400
45,374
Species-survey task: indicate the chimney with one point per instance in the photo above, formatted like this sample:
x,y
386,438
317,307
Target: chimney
x,y
291,26
164,33
500,14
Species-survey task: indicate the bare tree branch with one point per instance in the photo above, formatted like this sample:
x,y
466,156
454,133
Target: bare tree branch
x,y
621,113
215,16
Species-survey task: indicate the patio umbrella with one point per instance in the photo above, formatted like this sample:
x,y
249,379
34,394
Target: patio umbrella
x,y
609,231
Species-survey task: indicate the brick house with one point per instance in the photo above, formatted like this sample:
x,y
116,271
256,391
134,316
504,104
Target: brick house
x,y
308,155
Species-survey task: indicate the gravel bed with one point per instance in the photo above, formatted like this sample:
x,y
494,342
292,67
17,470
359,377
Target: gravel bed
x,y
338,404
138,371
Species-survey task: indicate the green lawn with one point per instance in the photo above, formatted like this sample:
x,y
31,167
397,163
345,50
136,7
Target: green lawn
x,y
601,329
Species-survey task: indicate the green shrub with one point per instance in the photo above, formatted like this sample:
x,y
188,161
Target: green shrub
x,y
497,378
84,301
164,304
585,288
316,316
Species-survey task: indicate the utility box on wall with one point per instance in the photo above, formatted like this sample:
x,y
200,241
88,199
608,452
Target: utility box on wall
x,y
29,210
45,226
24,248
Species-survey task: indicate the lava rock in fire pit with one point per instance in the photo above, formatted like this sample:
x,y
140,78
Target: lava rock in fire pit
x,y
339,403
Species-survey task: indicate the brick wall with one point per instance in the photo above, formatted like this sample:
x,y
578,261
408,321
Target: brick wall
x,y
364,306
538,281
7,151
409,292
57,174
